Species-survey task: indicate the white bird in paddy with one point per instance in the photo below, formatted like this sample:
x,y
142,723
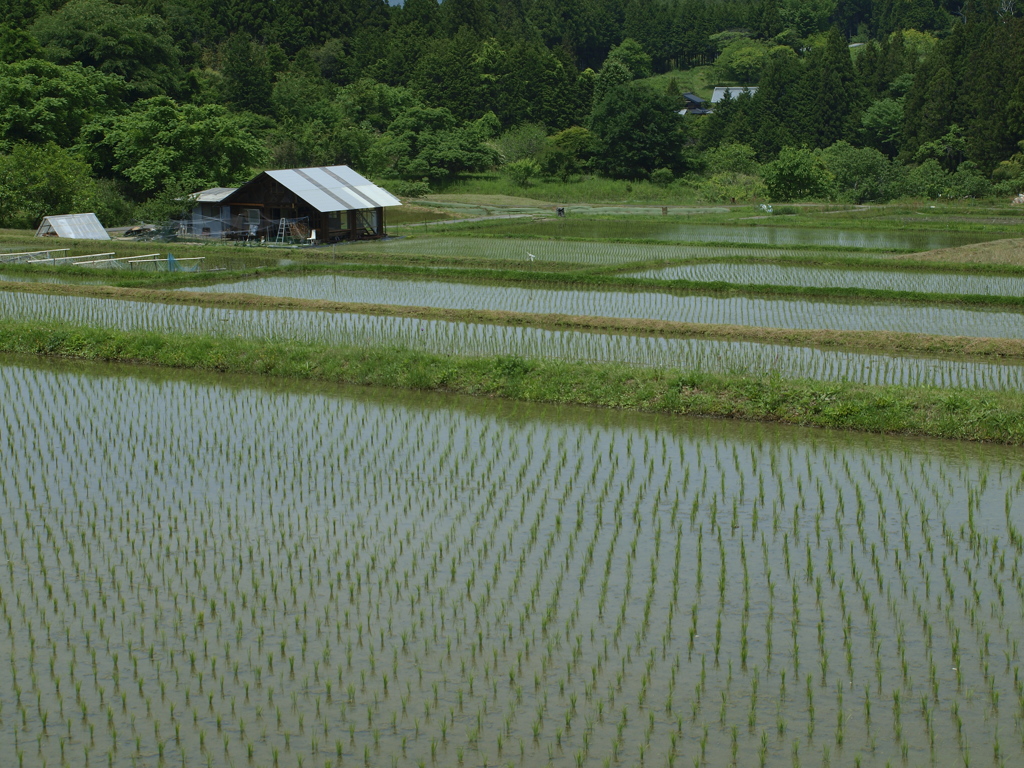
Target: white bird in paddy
x,y
532,257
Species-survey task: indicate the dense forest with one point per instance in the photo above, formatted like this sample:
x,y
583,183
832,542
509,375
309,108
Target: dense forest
x,y
124,107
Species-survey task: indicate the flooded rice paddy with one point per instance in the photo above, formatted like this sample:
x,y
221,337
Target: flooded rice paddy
x,y
474,339
201,572
772,274
904,239
766,313
560,251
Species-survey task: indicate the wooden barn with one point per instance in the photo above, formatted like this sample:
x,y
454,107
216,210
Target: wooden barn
x,y
324,205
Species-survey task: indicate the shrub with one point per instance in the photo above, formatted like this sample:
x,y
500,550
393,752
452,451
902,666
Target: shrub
x,y
798,174
662,177
968,182
927,180
521,172
732,158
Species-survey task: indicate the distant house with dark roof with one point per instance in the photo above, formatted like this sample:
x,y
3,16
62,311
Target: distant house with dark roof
x,y
695,105
324,204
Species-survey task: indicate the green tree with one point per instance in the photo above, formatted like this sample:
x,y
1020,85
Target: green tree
x,y
45,102
116,40
524,142
446,78
742,61
637,132
160,144
806,17
471,15
251,17
569,152
949,150
798,174
521,172
429,143
612,75
829,96
929,179
732,158
625,62
329,139
373,104
882,125
968,181
774,102
862,174
17,44
18,13
248,77
930,105
767,20
633,57
299,95
38,180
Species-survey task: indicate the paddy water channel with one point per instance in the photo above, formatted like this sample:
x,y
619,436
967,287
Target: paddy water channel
x,y
222,571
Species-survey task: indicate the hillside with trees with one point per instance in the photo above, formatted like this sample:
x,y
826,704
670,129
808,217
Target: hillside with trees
x,y
124,107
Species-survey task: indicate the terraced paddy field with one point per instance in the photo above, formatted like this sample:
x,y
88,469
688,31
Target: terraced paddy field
x,y
285,571
486,340
771,274
770,313
211,571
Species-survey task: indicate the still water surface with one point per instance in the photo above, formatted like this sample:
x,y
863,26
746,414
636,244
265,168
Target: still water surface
x,y
213,571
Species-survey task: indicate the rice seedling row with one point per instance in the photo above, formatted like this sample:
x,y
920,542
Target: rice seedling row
x,y
764,313
47,278
432,584
480,340
771,274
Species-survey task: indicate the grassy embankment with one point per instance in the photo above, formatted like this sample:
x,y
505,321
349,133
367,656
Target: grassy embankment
x,y
962,347
959,414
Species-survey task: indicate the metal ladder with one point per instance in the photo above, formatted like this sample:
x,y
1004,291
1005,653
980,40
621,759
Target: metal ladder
x,y
282,230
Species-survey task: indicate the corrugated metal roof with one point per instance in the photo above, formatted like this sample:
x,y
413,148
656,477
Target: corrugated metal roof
x,y
214,194
334,188
732,90
76,226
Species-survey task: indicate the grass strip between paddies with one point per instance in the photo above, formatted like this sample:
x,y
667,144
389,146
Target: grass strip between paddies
x,y
889,342
958,414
